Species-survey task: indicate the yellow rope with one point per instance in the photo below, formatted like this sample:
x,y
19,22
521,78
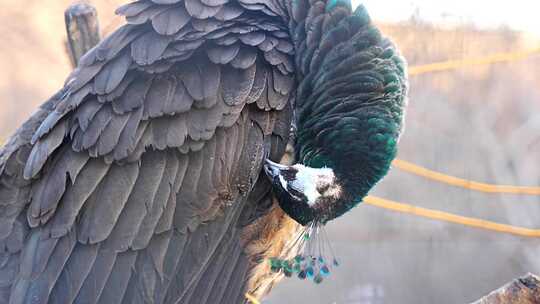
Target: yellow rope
x,y
456,64
463,183
451,218
252,299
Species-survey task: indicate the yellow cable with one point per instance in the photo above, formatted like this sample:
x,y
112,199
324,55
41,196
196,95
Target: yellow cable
x,y
451,218
252,299
463,183
456,64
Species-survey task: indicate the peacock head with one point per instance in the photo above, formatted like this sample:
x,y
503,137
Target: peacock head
x,y
333,175
305,194
349,110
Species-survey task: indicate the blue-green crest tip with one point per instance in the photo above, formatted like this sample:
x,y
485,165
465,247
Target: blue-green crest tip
x,y
333,3
362,13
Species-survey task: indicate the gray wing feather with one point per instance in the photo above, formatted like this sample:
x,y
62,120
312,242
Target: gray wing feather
x,y
199,10
75,196
85,114
206,193
140,199
181,101
145,15
155,209
134,8
214,2
148,48
206,25
171,263
48,191
245,58
130,136
118,280
223,54
225,257
165,222
84,140
30,288
170,21
35,254
43,149
235,295
160,94
202,80
134,95
102,212
216,293
237,87
111,135
96,279
253,38
113,73
229,12
78,267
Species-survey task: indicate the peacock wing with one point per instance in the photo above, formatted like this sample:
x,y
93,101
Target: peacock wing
x,y
131,184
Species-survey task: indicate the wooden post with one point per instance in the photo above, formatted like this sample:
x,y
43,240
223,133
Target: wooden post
x,y
525,290
82,28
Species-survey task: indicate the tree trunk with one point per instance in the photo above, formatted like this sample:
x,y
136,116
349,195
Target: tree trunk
x,y
525,290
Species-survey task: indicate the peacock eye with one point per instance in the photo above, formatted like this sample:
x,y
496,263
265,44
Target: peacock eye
x,y
322,189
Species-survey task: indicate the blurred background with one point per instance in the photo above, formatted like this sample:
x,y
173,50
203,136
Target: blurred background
x,y
477,122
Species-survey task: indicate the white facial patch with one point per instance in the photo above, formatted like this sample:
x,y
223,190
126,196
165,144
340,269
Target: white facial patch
x,y
307,179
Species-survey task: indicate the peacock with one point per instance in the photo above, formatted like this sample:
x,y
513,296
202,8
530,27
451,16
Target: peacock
x,y
155,175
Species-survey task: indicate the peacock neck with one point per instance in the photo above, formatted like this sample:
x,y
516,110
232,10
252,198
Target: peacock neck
x,y
351,95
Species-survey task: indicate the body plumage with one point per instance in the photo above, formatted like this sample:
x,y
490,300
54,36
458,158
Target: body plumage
x,y
141,180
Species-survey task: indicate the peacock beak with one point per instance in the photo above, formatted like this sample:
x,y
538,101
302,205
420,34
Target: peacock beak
x,y
273,169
